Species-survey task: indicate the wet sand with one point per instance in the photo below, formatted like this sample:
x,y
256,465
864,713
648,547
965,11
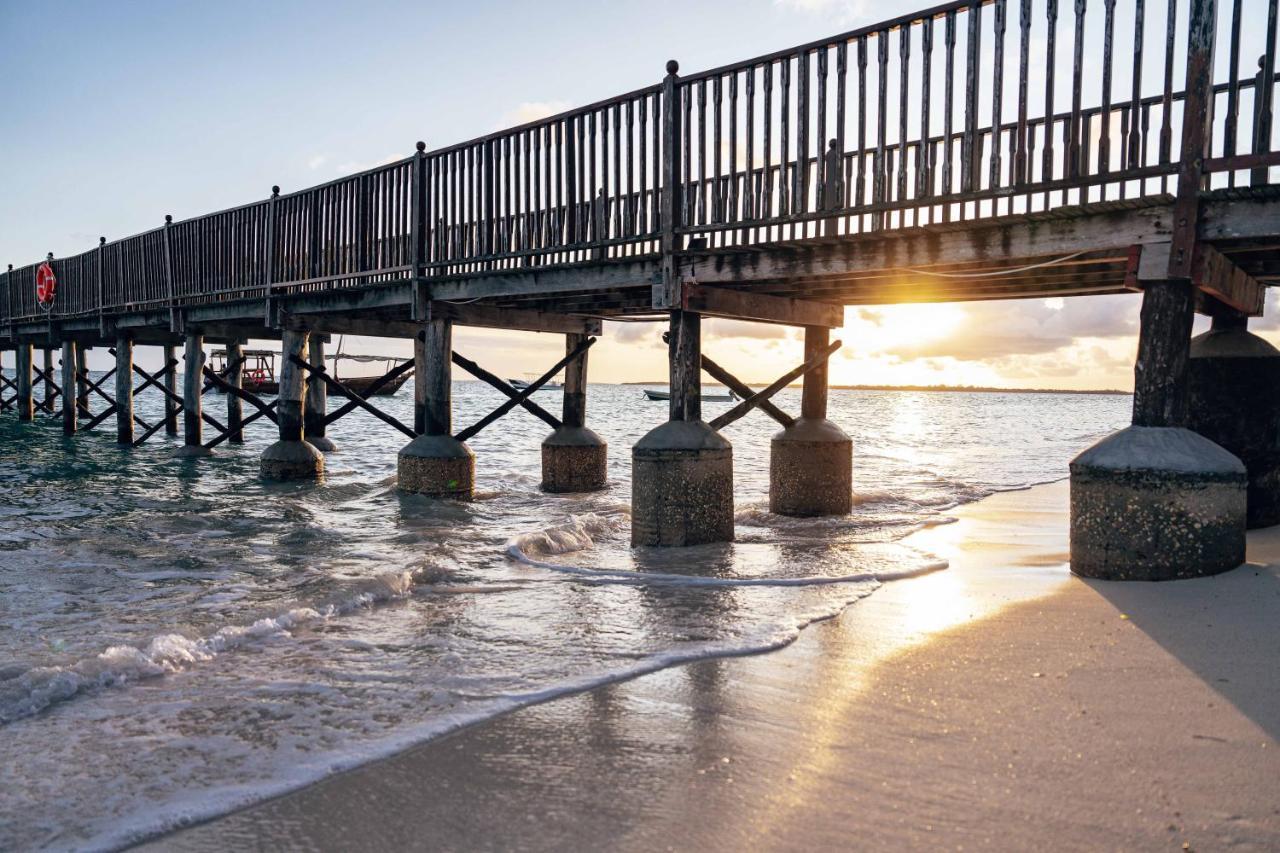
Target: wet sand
x,y
1000,704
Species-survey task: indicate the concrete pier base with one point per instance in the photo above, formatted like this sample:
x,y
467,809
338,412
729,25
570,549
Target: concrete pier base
x,y
437,465
1156,503
811,469
682,486
574,459
1233,381
291,460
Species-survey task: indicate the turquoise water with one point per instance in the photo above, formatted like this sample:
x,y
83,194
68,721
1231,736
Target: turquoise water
x,y
178,637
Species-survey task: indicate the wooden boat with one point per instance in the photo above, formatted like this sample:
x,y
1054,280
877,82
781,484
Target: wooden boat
x,y
259,376
727,397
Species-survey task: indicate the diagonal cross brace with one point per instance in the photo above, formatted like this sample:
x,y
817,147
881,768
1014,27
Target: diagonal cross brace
x,y
485,376
786,379
268,411
349,407
520,397
361,402
744,391
252,399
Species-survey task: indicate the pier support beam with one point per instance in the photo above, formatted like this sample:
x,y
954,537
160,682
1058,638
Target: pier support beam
x,y
235,378
22,364
82,380
192,390
574,458
811,461
48,380
435,463
291,458
1234,391
317,403
68,388
682,471
124,390
171,385
1157,501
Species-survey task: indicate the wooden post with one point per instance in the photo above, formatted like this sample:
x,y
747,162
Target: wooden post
x,y
124,389
433,379
82,380
68,388
171,385
317,398
48,379
685,355
1164,344
292,386
666,291
813,401
575,384
22,363
235,378
192,387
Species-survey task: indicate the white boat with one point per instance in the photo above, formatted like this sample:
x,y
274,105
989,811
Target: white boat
x,y
727,397
521,384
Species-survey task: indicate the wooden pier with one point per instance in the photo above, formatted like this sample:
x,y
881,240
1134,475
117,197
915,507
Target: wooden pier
x,y
916,160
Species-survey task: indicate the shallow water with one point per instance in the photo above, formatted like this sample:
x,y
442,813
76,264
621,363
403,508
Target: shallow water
x,y
178,637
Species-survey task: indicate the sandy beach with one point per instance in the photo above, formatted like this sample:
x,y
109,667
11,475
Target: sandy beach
x,y
1000,704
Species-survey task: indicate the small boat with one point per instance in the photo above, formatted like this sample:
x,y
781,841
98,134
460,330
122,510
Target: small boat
x,y
258,375
521,384
728,397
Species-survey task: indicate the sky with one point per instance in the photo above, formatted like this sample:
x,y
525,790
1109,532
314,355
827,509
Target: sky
x,y
115,114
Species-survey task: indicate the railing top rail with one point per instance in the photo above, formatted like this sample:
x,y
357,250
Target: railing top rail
x,y
852,35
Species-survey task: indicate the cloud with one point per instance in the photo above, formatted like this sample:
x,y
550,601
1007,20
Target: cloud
x,y
875,318
317,161
840,11
532,111
633,332
353,166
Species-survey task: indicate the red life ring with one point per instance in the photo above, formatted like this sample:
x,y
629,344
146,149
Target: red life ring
x,y
46,284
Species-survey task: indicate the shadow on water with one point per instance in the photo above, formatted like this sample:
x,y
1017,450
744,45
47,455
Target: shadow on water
x,y
1225,629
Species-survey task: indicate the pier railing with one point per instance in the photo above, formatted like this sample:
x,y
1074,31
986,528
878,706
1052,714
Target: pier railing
x,y
963,111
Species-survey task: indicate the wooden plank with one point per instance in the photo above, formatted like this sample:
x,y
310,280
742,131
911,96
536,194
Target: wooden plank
x,y
744,391
301,366
496,382
745,305
1215,274
522,396
819,358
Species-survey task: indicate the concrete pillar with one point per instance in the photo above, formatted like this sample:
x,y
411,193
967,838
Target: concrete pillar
x,y
435,463
22,365
235,378
1157,501
171,385
82,380
811,461
291,458
192,390
317,399
574,458
68,388
682,471
1234,391
124,390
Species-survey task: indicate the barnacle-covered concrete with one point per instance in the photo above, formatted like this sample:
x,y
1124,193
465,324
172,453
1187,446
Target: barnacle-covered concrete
x,y
574,459
1156,503
811,469
681,486
291,460
1233,380
437,465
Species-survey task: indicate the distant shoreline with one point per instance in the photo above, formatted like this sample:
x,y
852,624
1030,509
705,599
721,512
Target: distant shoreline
x,y
969,389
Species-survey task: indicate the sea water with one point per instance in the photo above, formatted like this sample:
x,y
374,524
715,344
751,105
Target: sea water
x,y
178,638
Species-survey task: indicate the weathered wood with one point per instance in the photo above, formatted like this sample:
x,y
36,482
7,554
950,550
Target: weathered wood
x,y
268,411
1215,274
433,383
1197,136
22,365
235,403
51,391
82,379
124,390
68,382
1164,343
819,358
574,413
684,351
170,370
523,394
813,399
744,391
484,316
192,389
293,349
302,366
371,390
496,382
745,305
317,402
